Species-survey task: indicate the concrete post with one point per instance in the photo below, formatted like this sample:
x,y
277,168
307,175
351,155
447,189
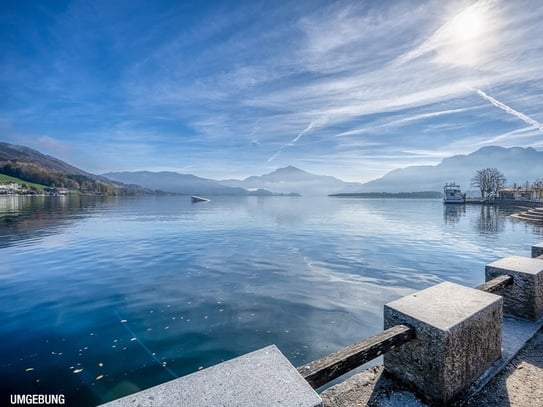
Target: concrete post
x,y
458,337
525,298
537,250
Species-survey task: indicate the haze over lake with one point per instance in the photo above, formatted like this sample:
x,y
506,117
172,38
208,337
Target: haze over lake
x,y
101,297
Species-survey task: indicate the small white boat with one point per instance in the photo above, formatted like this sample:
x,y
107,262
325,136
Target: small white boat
x,y
452,194
195,198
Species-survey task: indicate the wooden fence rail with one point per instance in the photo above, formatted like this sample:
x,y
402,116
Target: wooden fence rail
x,y
496,284
330,367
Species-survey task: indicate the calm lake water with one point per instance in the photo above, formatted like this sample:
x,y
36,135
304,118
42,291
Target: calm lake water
x,y
103,297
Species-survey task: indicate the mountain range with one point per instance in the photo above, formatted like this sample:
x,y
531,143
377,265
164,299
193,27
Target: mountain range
x,y
517,164
174,182
291,179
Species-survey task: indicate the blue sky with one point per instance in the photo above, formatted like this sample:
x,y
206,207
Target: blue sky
x,y
229,89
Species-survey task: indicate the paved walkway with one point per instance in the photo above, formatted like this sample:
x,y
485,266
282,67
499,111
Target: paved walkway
x,y
519,384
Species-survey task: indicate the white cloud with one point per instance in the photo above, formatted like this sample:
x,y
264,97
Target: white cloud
x,y
276,84
510,110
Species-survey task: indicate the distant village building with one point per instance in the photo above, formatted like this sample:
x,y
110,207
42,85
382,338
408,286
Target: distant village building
x,y
57,191
9,188
526,194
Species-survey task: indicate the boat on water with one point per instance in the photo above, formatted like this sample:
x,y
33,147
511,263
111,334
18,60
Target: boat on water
x,y
452,194
195,198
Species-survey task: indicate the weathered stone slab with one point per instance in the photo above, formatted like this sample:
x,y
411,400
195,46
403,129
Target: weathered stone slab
x,y
458,336
261,378
524,299
537,250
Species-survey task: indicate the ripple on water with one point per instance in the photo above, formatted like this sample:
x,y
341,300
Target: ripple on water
x,y
122,296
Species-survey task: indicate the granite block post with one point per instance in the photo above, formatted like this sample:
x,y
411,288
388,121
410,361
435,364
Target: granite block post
x,y
524,299
537,250
458,337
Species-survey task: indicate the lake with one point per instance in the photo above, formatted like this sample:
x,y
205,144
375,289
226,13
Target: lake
x,y
101,297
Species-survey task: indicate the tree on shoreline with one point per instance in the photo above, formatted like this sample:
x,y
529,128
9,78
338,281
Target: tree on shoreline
x,y
488,180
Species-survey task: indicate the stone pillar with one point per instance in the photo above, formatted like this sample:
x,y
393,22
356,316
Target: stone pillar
x,y
537,250
458,337
524,299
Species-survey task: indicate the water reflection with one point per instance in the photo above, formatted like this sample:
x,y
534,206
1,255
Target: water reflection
x,y
491,220
26,218
486,219
453,213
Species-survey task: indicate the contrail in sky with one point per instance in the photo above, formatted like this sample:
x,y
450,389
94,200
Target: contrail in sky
x,y
310,126
509,110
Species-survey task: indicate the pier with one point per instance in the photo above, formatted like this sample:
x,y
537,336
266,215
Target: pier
x,y
444,345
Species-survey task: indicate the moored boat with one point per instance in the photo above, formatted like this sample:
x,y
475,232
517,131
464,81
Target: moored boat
x,y
452,194
195,198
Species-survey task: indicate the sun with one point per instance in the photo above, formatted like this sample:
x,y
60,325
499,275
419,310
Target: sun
x,y
465,38
468,25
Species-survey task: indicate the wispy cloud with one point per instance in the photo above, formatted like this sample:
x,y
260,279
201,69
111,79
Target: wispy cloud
x,y
314,124
510,110
242,85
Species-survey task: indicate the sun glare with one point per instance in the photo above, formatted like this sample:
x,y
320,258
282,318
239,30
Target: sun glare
x,y
468,25
466,38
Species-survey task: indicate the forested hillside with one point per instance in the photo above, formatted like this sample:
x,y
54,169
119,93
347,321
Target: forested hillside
x,y
32,166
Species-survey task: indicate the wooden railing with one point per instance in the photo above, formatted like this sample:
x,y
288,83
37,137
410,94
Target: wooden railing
x,y
496,284
330,367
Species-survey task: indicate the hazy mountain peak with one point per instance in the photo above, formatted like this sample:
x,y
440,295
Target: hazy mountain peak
x,y
518,164
291,179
